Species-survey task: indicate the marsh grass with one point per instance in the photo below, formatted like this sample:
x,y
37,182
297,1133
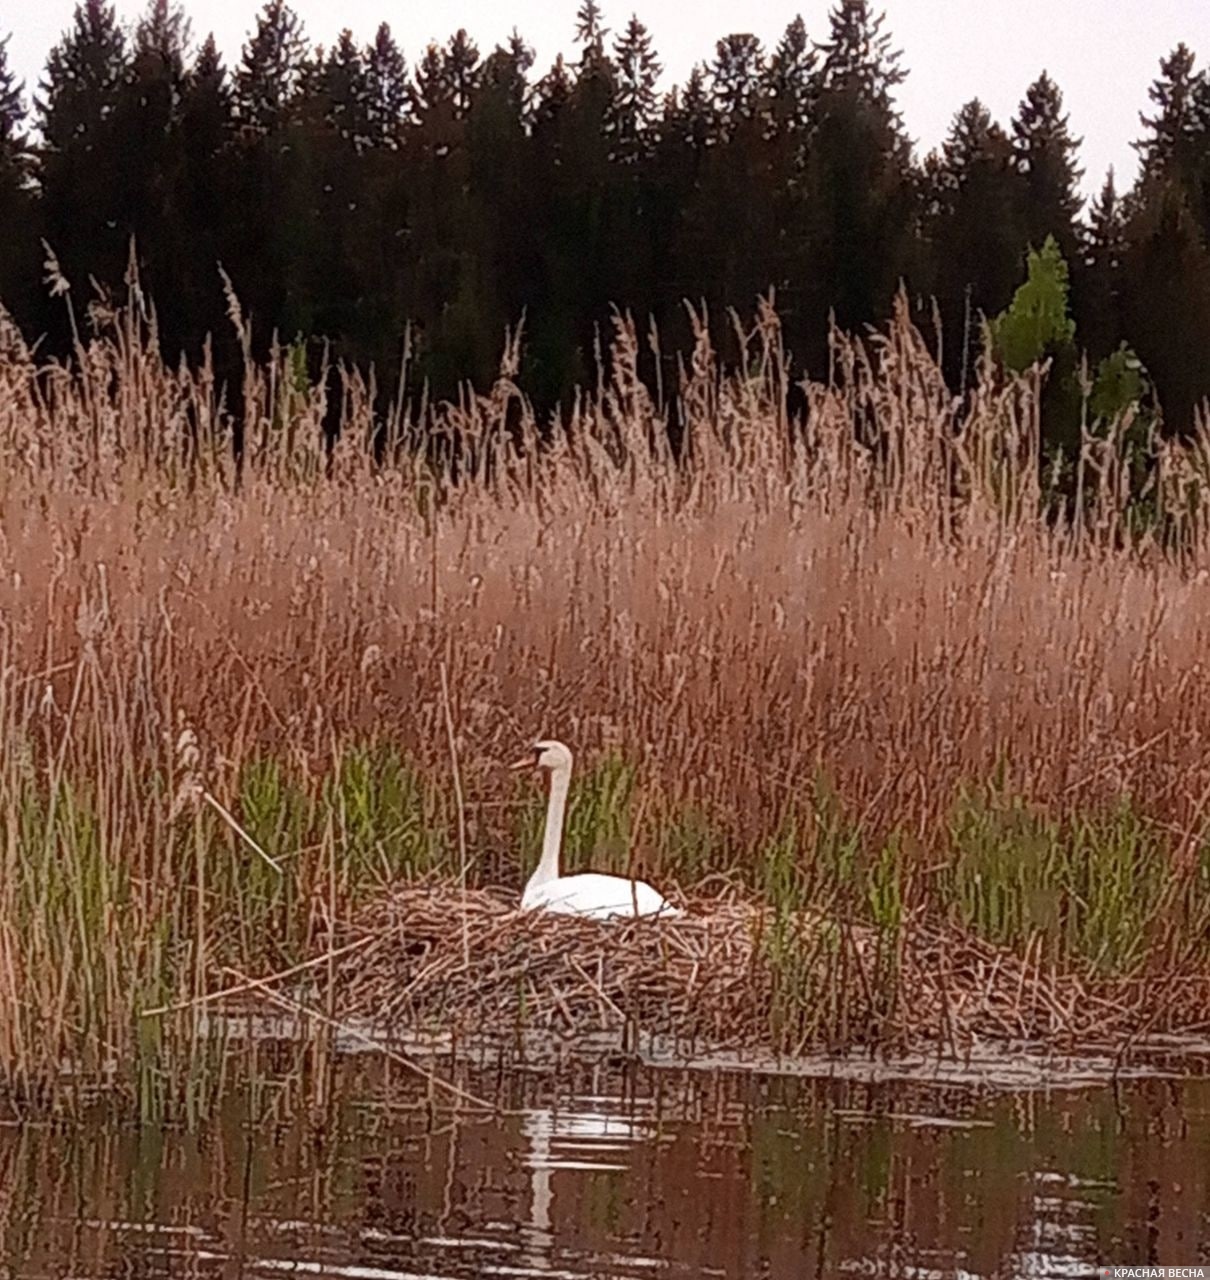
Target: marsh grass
x,y
862,662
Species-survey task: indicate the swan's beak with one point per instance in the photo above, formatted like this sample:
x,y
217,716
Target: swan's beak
x,y
526,762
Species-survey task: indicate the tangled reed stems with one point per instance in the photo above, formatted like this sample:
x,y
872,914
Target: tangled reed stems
x,y
733,973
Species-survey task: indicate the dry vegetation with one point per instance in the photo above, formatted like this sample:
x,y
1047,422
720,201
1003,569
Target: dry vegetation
x,y
849,661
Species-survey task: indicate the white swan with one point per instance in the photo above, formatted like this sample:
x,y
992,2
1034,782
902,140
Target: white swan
x,y
598,896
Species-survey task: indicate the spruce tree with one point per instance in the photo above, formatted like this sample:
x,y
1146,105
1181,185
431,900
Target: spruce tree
x,y
591,31
632,109
204,207
860,57
1098,286
1166,300
84,210
1171,146
389,91
792,82
736,75
551,96
271,69
974,238
18,244
1046,156
462,71
343,92
858,187
1176,147
431,86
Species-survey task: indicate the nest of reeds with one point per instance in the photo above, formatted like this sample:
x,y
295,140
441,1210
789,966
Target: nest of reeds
x,y
729,973
442,962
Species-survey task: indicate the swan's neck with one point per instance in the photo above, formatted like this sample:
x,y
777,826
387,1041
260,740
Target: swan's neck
x,y
552,838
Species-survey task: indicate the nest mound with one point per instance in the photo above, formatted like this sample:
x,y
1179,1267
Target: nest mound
x,y
442,963
729,973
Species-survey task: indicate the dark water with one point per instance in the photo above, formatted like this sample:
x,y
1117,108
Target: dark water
x,y
630,1174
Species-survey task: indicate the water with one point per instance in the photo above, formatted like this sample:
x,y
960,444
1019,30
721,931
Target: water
x,y
622,1173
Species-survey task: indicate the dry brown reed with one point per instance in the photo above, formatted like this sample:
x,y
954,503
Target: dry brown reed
x,y
875,593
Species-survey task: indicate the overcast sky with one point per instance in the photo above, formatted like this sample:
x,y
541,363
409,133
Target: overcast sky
x,y
1103,53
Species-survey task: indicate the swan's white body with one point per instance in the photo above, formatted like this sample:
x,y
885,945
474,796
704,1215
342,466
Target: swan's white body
x,y
597,896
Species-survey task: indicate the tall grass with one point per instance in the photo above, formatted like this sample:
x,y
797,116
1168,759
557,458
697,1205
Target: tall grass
x,y
857,658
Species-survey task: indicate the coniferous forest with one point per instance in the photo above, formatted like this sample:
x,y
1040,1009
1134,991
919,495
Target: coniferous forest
x,y
371,202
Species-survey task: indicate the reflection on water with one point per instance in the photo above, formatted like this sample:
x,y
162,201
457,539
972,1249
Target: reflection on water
x,y
623,1175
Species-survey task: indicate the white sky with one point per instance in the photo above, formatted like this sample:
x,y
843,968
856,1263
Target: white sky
x,y
1103,53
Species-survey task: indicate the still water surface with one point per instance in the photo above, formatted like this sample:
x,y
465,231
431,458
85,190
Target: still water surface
x,y
624,1174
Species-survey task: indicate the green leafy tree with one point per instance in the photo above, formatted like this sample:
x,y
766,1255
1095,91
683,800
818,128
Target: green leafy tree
x,y
1038,323
1038,327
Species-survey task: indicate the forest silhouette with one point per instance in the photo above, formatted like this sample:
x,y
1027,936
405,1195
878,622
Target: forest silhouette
x,y
402,211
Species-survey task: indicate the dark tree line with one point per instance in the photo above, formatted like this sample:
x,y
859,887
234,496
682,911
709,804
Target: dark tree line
x,y
351,195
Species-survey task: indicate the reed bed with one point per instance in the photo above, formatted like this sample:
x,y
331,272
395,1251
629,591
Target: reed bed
x,y
857,658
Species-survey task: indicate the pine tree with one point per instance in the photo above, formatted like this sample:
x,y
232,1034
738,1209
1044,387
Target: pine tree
x,y
446,80
1046,156
1037,327
506,73
501,207
206,107
147,110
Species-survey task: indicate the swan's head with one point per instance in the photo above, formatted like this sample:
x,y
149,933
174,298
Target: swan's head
x,y
547,754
